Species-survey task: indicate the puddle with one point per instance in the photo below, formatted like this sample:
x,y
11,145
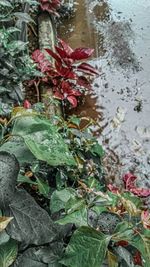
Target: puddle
x,y
119,32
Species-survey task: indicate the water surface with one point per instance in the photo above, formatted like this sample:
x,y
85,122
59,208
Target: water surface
x,y
120,33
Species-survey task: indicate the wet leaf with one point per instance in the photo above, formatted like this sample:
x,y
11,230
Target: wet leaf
x,y
31,223
87,247
40,257
79,218
4,221
29,258
60,198
81,53
16,146
129,181
8,253
87,68
9,167
43,140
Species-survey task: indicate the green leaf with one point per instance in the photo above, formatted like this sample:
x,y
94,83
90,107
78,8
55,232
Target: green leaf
x,y
142,243
87,248
23,17
60,198
29,258
9,167
4,237
31,224
16,146
41,257
25,179
16,47
74,203
5,3
97,149
44,141
79,218
8,253
43,187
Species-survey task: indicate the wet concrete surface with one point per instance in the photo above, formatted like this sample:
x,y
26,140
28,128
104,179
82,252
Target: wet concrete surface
x,y
120,33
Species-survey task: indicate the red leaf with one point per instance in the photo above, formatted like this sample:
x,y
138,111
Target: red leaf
x,y
58,95
137,259
68,50
129,181
145,217
87,68
50,6
81,53
112,188
72,100
65,72
83,82
53,54
62,53
26,104
122,243
43,64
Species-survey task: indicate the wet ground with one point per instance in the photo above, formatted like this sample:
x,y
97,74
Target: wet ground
x,y
120,33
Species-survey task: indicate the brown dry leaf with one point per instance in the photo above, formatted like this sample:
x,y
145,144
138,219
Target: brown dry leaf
x,y
4,221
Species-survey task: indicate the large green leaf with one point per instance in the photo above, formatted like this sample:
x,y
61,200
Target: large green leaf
x,y
142,243
60,198
43,140
79,218
87,248
29,259
5,3
8,253
9,167
31,224
41,257
17,146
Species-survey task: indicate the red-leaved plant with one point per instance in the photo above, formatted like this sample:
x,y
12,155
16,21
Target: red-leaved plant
x,y
50,6
65,76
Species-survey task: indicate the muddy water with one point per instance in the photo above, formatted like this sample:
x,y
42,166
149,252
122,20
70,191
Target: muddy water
x,y
120,33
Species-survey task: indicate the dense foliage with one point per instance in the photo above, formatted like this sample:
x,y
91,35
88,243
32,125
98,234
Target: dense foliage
x,y
55,208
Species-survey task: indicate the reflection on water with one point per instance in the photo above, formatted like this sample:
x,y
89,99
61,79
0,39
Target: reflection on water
x,y
120,33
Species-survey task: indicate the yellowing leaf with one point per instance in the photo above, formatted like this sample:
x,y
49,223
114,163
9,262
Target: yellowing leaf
x,y
130,207
112,260
4,221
